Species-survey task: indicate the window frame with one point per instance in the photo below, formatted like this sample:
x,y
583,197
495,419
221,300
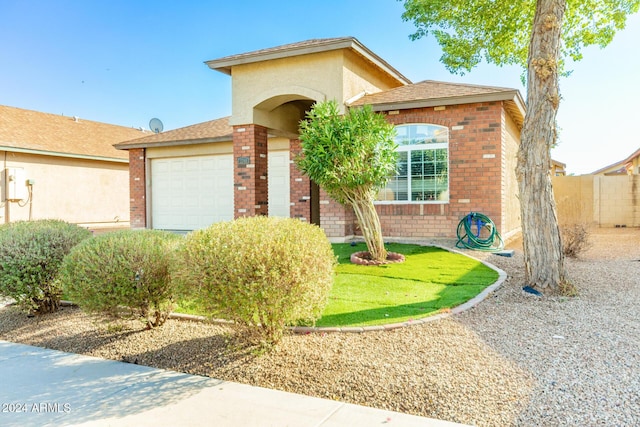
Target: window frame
x,y
428,146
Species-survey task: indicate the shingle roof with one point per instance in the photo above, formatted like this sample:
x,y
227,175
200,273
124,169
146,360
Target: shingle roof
x,y
618,166
211,131
53,134
306,47
429,90
321,44
430,93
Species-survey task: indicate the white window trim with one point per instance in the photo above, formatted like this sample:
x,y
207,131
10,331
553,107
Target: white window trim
x,y
429,146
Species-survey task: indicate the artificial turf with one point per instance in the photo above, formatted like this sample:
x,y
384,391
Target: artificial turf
x,y
429,281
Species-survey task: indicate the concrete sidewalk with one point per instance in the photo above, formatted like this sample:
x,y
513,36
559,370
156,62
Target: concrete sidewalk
x,y
40,387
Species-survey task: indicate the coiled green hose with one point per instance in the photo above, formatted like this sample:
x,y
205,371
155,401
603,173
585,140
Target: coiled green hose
x,y
470,240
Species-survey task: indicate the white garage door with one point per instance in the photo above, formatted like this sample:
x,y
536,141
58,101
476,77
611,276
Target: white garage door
x,y
279,183
188,193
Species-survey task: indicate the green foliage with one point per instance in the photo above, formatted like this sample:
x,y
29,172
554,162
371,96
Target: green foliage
x,y
351,157
347,154
128,268
30,256
258,271
499,32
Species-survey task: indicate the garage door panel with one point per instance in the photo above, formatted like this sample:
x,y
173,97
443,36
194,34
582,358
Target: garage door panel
x,y
279,184
189,193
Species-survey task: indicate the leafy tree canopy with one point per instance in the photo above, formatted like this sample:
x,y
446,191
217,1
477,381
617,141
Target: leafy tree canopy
x,y
346,154
499,31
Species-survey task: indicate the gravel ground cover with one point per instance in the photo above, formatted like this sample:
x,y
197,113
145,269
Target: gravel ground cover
x,y
513,360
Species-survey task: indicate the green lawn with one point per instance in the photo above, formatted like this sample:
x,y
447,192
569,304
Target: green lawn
x,y
429,281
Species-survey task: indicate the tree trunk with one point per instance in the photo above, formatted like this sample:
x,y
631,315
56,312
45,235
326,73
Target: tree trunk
x,y
544,260
369,223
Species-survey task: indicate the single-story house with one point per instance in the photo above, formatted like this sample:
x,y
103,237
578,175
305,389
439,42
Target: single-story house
x,y
457,147
627,166
62,167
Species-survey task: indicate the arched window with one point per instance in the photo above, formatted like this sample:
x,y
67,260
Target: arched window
x,y
422,174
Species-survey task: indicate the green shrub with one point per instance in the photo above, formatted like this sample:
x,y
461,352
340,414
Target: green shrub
x,y
31,253
259,271
125,268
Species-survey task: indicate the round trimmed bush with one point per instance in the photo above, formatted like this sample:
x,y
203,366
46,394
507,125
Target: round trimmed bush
x,y
259,271
31,253
127,268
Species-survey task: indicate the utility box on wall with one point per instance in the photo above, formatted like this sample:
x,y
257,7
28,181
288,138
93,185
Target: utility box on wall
x,y
15,184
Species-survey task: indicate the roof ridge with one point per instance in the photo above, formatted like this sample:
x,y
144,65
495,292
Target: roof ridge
x,y
465,84
317,41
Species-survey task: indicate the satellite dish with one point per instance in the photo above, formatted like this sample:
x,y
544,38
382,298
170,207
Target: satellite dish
x,y
156,125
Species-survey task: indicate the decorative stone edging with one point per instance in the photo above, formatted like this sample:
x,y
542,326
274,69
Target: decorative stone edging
x,y
502,276
360,258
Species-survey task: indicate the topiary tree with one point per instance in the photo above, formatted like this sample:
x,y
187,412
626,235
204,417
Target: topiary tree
x,y
127,268
31,253
350,156
261,272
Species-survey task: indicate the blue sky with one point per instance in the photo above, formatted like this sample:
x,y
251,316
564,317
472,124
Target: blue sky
x,y
125,62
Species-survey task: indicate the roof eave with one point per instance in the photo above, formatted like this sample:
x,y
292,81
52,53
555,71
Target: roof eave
x,y
61,154
451,100
173,143
617,165
225,64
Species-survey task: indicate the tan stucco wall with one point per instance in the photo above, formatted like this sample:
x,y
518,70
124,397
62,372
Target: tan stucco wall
x,y
207,149
510,201
263,91
360,76
315,77
190,150
80,191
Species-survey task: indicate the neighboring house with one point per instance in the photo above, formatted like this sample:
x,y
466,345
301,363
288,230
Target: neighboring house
x,y
558,168
628,166
457,148
64,168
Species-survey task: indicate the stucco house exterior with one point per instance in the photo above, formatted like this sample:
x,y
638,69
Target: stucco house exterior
x,y
457,147
62,167
627,166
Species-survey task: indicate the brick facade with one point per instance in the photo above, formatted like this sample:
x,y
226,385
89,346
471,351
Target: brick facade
x,y
475,176
250,185
336,220
137,188
300,186
478,148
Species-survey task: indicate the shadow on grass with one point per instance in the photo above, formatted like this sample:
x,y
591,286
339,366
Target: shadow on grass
x,y
447,298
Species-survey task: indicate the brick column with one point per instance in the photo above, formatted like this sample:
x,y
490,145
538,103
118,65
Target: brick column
x,y
137,188
300,186
250,185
